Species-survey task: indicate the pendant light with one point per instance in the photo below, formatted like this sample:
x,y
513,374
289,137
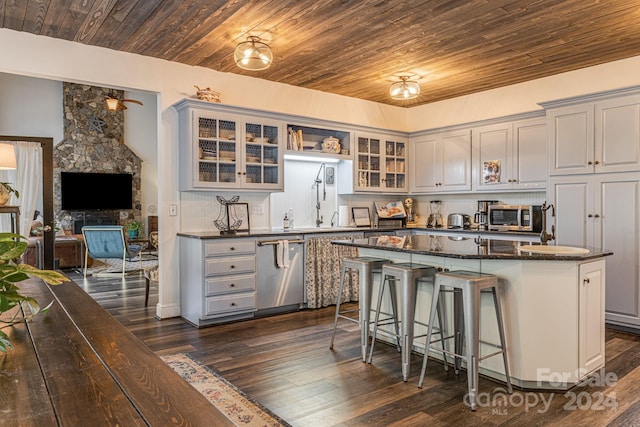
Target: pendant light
x,y
405,88
253,55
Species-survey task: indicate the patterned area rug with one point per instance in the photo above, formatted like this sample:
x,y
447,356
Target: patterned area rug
x,y
237,406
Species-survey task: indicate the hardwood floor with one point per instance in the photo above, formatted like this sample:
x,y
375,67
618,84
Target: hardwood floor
x,y
285,363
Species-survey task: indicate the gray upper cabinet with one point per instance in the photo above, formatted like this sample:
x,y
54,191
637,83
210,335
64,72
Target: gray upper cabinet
x,y
510,156
220,150
441,162
595,137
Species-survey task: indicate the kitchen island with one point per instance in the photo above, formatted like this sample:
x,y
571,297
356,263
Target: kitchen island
x,y
553,303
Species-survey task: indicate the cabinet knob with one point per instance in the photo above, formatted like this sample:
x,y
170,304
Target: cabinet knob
x,y
239,173
596,216
596,162
233,304
585,280
232,248
233,285
589,216
589,162
232,266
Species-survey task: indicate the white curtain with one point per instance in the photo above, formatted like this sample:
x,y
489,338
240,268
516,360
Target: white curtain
x,y
27,179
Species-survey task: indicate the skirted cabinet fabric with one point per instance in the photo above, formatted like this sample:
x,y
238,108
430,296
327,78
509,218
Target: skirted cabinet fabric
x,y
322,271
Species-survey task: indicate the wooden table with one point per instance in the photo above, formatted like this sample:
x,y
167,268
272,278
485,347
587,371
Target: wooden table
x,y
14,211
79,366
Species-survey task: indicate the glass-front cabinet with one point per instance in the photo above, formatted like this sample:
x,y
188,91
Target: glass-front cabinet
x,y
380,164
220,150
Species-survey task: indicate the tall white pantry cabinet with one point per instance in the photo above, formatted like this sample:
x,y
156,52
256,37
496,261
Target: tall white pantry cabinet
x,y
594,167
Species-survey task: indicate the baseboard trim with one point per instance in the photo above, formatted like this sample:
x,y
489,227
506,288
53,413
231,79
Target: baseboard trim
x,y
167,311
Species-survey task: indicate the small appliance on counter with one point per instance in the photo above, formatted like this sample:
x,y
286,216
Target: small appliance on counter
x,y
458,221
481,217
515,218
435,217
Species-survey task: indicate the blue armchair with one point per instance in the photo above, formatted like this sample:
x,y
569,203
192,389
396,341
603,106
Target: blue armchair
x,y
108,241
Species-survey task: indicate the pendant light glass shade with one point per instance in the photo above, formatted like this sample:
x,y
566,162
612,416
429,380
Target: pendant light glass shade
x,y
404,89
253,55
7,157
112,104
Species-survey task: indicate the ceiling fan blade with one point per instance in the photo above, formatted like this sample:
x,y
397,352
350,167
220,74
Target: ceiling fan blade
x,y
132,100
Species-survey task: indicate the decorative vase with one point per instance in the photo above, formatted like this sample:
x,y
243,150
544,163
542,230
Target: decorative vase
x,y
4,196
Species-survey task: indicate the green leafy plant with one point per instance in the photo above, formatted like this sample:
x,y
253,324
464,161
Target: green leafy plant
x,y
12,247
9,189
134,227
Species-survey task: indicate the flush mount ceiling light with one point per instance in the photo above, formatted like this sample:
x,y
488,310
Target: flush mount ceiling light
x,y
253,55
405,88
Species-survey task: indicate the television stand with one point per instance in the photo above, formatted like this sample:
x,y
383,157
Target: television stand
x,y
80,219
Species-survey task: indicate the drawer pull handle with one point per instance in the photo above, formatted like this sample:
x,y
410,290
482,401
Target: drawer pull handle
x,y
233,285
232,266
232,248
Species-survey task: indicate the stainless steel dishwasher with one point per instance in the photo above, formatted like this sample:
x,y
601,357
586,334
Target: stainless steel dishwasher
x,y
280,288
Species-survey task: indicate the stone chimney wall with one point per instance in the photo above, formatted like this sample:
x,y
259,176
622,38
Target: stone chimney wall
x,y
94,142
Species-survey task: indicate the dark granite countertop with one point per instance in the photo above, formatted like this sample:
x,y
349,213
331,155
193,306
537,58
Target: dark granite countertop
x,y
214,234
463,247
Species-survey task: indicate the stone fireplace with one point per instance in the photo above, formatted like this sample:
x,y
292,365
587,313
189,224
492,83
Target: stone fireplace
x,y
94,142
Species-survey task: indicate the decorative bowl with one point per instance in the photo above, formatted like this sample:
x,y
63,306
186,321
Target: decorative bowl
x,y
331,145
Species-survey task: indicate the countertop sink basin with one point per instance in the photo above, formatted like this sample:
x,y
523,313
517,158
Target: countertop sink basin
x,y
554,250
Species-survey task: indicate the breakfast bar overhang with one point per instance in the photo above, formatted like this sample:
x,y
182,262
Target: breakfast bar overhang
x,y
553,302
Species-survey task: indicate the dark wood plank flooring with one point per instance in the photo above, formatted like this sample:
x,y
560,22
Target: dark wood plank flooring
x,y
285,363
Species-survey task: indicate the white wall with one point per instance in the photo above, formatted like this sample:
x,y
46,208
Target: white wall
x,y
60,60
31,107
524,97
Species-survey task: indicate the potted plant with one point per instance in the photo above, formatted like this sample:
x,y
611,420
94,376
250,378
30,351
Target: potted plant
x,y
12,247
134,228
5,193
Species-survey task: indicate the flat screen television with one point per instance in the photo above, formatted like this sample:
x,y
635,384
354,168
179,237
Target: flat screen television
x,y
85,191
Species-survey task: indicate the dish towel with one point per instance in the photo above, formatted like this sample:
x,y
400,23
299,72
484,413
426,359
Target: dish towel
x,y
282,254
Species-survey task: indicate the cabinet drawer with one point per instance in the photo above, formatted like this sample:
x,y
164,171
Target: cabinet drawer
x,y
227,285
224,305
229,247
229,265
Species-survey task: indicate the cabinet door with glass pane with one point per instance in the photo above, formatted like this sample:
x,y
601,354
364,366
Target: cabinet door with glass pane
x,y
395,178
217,151
368,174
262,155
380,164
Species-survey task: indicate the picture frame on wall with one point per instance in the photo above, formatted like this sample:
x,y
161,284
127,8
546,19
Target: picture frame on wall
x,y
238,217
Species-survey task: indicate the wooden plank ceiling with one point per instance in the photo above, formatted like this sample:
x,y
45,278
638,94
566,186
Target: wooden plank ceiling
x,y
355,47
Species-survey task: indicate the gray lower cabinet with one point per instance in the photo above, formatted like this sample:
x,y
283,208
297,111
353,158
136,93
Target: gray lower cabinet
x,y
217,279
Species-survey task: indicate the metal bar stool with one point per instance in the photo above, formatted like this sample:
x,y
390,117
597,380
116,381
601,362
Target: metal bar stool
x,y
366,267
409,275
469,285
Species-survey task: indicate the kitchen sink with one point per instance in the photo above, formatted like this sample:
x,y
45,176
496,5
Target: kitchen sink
x,y
554,250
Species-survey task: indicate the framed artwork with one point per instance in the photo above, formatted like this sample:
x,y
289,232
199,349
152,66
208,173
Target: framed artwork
x,y
491,172
361,217
238,216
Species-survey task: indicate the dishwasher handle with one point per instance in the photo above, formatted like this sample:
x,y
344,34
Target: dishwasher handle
x,y
275,242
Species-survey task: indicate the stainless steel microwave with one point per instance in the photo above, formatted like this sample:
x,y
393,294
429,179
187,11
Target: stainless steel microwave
x,y
515,218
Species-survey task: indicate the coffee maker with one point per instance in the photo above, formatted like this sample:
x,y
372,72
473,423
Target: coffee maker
x,y
481,217
435,217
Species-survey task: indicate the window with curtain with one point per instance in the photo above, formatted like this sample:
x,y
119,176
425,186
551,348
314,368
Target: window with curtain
x,y
27,179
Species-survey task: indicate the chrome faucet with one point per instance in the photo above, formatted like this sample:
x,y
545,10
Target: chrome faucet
x,y
335,214
316,183
544,236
